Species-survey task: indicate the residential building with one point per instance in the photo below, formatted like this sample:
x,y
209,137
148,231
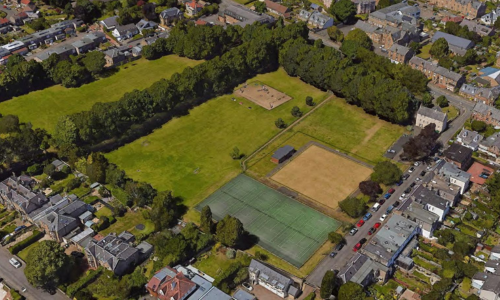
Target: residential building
x,y
477,28
492,266
363,271
454,19
440,184
109,23
495,253
145,25
18,19
83,238
243,295
125,32
269,278
451,173
400,54
479,173
216,294
5,25
486,113
426,116
242,16
438,75
427,220
64,52
387,36
456,44
471,9
277,9
170,16
168,284
16,194
395,15
114,57
469,139
193,8
488,285
391,240
490,76
282,154
479,279
459,155
491,17
364,7
491,145
487,96
89,42
409,295
320,20
116,253
430,201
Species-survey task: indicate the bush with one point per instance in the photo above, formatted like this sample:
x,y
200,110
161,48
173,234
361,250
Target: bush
x,y
27,242
442,101
296,112
354,207
280,123
231,254
73,288
73,184
311,296
310,101
335,238
478,126
261,256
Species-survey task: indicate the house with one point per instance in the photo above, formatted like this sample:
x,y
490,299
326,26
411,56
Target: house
x,y
269,278
282,154
59,165
492,266
5,26
457,44
454,19
452,174
125,32
426,219
320,20
438,75
216,294
169,16
495,253
477,28
242,16
64,52
363,271
490,76
16,194
109,23
392,238
277,9
430,201
471,9
486,113
242,295
400,54
83,238
145,25
491,145
487,96
479,279
458,155
114,57
441,185
479,173
364,6
169,284
116,253
193,8
490,285
89,42
469,139
395,15
426,116
409,295
61,219
491,17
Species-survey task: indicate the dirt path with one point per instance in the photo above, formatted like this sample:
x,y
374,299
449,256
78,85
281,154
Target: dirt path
x,y
369,134
244,163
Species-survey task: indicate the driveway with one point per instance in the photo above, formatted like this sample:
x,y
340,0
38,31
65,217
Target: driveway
x,y
15,278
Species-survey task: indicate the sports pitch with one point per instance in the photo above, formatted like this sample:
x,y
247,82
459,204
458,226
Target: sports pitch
x,y
263,95
284,226
322,175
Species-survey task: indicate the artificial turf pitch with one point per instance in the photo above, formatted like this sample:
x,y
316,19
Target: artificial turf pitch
x,y
284,226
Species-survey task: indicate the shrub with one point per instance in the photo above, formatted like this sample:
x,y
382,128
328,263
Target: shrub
x,y
311,296
478,126
280,123
73,288
231,253
27,242
310,101
354,207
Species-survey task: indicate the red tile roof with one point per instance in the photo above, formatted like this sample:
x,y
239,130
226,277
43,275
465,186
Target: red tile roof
x,y
25,2
22,15
167,287
4,21
193,4
477,169
200,22
456,19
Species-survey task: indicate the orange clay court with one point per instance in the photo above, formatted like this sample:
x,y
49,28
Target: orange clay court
x,y
262,95
322,175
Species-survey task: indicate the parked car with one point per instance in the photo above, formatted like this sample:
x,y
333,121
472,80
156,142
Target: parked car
x,y
357,247
417,179
389,209
391,151
367,217
372,230
360,223
381,201
333,254
383,217
408,190
422,173
377,225
19,228
402,196
247,286
362,241
391,191
411,170
376,207
399,183
412,184
15,263
353,231
405,176
339,246
416,164
387,196
395,204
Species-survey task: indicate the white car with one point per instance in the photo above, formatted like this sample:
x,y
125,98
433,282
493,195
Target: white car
x,y
15,263
402,197
416,164
383,217
247,286
418,179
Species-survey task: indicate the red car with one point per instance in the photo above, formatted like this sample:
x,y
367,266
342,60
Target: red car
x,y
360,223
391,191
377,225
357,247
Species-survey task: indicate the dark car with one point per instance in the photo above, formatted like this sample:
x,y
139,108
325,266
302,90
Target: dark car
x,y
399,183
422,173
333,254
406,176
339,246
396,204
381,201
372,230
362,241
408,190
412,184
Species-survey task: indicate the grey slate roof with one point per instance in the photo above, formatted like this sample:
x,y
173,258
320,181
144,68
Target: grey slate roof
x,y
451,170
203,287
366,27
242,295
457,152
353,267
469,137
476,27
282,152
112,251
269,275
431,113
74,209
492,284
484,109
427,197
435,68
171,12
246,16
457,44
110,22
489,93
216,294
61,224
399,49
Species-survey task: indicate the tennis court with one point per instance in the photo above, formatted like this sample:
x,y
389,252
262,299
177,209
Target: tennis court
x,y
284,226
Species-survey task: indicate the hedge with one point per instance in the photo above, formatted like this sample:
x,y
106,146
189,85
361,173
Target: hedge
x,y
27,242
73,288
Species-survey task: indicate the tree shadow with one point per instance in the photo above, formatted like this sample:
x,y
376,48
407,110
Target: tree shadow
x,y
248,241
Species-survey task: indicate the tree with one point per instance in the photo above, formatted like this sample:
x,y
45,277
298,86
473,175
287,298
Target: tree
x,y
478,126
427,100
206,223
343,10
354,207
235,154
442,101
422,145
47,265
327,285
445,62
9,124
310,101
280,123
296,112
164,210
415,46
462,248
260,7
445,236
360,37
94,62
473,296
496,25
335,237
383,4
229,231
66,132
440,48
369,188
386,172
351,291
49,169
335,34
96,167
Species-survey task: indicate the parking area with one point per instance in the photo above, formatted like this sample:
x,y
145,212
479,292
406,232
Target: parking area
x,y
397,147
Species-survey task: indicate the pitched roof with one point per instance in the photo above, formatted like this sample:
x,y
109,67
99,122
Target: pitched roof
x,y
431,113
170,12
458,153
276,7
484,109
242,295
399,49
269,275
427,65
453,40
170,284
282,152
194,5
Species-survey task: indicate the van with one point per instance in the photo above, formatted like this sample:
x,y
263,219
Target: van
x,y
15,263
376,207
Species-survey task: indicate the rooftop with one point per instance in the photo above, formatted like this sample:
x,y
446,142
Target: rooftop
x,y
478,169
431,113
458,153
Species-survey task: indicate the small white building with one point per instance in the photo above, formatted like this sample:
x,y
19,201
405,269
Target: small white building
x,y
469,139
271,279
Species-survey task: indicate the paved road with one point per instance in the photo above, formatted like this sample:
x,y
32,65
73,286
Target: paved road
x,y
15,278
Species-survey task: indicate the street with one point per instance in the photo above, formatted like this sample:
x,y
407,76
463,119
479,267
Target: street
x,y
15,278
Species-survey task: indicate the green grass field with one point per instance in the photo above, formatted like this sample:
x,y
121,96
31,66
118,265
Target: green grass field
x,y
43,108
424,52
190,155
285,227
128,222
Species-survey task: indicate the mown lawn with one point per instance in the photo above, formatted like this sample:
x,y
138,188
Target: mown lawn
x,y
23,254
43,108
424,52
190,155
128,222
